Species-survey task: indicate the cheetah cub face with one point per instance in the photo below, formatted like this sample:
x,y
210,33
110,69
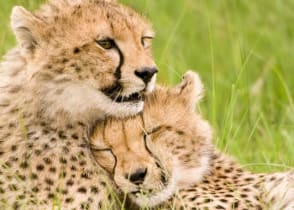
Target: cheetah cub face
x,y
167,147
90,56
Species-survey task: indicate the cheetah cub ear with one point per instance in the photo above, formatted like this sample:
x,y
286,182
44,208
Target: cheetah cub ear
x,y
190,90
26,27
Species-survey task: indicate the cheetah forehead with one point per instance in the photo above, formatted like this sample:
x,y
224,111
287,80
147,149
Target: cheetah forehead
x,y
60,10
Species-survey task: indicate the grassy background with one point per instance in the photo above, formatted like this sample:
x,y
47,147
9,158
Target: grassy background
x,y
244,52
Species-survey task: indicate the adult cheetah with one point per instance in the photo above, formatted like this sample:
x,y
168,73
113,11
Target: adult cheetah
x,y
166,156
77,61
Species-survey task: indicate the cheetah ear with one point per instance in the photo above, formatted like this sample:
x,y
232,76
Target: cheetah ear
x,y
190,90
24,25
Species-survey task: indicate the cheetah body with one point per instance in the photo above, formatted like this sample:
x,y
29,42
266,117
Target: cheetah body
x,y
53,86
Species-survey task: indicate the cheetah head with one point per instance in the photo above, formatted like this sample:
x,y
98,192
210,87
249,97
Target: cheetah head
x,y
167,147
88,57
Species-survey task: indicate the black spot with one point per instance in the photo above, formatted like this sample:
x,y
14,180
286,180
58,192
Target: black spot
x,y
47,160
73,168
7,164
35,189
62,174
13,148
94,189
2,190
40,167
12,187
103,183
62,160
61,135
65,60
78,69
50,196
228,170
33,176
246,190
22,177
75,136
235,205
82,163
219,207
65,149
52,169
21,197
249,179
82,190
223,200
69,200
85,175
85,206
208,200
45,131
82,154
16,205
38,152
49,181
13,159
180,133
73,158
53,139
69,182
193,198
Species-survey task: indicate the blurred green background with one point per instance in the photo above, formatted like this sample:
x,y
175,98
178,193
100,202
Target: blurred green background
x,y
244,52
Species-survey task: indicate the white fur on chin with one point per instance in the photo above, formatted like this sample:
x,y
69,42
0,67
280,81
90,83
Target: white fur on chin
x,y
157,198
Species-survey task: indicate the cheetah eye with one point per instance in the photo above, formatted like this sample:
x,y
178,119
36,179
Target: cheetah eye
x,y
146,41
106,43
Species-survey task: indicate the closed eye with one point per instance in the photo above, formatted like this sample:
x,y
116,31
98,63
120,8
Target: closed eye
x,y
102,153
154,130
98,149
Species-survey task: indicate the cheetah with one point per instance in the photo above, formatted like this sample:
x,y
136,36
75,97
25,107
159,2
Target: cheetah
x,y
164,158
76,62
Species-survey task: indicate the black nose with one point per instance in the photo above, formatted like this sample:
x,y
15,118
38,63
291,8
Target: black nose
x,y
139,176
146,74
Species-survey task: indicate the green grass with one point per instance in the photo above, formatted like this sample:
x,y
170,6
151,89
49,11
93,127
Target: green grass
x,y
243,51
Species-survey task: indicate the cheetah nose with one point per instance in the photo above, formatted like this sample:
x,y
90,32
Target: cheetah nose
x,y
138,177
146,73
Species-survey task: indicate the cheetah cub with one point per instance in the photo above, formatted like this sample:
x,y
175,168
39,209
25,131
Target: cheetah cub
x,y
165,156
77,61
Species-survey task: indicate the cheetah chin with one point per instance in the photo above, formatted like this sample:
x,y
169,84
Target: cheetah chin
x,y
153,199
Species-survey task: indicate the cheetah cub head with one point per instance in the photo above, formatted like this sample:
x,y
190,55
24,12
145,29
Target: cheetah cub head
x,y
165,148
86,57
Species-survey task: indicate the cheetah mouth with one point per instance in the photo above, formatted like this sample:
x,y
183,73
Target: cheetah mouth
x,y
114,94
151,198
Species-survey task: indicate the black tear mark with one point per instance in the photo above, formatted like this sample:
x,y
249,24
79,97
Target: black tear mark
x,y
117,73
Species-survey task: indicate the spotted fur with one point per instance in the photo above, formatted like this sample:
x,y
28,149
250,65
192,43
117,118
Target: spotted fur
x,y
53,86
170,138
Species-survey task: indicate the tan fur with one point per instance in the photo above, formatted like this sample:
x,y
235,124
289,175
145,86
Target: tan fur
x,y
53,86
167,129
199,176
